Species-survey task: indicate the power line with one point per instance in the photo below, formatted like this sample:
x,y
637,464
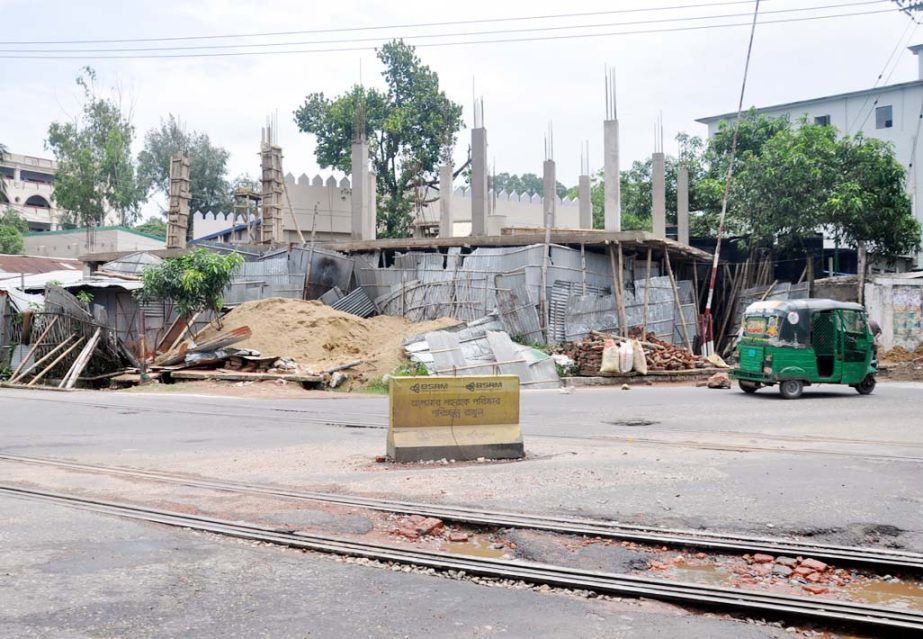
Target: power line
x,y
414,25
440,35
441,44
915,25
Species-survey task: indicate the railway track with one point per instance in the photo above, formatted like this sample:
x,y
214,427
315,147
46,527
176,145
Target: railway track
x,y
893,560
750,602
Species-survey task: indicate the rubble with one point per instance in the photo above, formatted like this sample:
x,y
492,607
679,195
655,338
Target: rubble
x,y
658,354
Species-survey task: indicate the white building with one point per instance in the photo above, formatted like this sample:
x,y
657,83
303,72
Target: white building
x,y
893,113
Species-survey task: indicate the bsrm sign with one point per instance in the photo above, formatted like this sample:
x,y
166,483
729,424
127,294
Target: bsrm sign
x,y
460,418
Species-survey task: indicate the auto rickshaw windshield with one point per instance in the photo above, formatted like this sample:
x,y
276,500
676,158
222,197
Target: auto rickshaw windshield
x,y
778,328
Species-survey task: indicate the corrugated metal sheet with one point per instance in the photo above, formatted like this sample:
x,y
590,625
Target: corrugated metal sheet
x,y
267,278
132,264
327,268
356,303
31,265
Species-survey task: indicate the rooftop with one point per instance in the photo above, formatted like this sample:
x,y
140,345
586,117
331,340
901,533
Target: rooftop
x,y
837,96
31,265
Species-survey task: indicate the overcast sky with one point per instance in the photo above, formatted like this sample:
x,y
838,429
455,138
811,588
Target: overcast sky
x,y
683,74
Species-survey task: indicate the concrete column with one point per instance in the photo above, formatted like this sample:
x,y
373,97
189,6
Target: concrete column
x,y
612,206
659,195
479,181
584,198
549,203
446,223
682,204
370,232
178,216
360,185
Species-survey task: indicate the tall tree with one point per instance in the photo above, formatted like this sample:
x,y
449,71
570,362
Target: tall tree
x,y
153,226
96,172
409,126
208,165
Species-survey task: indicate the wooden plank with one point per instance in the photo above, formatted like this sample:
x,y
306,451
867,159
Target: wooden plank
x,y
218,342
32,350
238,376
679,306
54,363
81,362
13,380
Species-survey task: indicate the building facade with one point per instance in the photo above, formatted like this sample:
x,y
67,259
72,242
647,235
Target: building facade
x,y
892,113
73,243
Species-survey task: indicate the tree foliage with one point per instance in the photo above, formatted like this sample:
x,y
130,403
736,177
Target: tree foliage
x,y
12,226
409,127
195,281
96,171
209,186
153,226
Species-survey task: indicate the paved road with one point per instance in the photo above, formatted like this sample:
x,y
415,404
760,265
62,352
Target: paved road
x,y
833,465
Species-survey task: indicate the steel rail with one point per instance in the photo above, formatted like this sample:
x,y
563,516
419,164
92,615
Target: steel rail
x,y
874,557
816,609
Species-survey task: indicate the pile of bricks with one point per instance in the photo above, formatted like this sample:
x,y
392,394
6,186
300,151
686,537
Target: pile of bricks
x,y
660,355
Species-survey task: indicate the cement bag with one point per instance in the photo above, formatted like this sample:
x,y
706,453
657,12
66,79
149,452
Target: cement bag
x,y
626,357
640,361
610,362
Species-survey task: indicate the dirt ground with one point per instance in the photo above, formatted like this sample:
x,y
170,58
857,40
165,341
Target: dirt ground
x,y
902,365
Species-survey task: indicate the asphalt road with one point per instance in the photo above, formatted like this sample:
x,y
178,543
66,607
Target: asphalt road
x,y
833,465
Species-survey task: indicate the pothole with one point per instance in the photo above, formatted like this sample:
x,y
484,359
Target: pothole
x,y
634,423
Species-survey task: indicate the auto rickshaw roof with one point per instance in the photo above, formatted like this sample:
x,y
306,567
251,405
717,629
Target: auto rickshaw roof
x,y
810,305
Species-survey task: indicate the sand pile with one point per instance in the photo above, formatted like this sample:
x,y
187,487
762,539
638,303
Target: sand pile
x,y
899,354
318,337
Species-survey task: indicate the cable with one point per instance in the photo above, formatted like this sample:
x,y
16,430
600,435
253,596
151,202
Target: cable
x,y
440,44
416,25
438,35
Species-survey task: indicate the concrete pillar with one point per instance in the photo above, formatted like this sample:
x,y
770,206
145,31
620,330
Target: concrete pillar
x,y
659,195
682,204
584,198
370,232
479,181
360,188
446,223
549,202
271,230
180,195
612,203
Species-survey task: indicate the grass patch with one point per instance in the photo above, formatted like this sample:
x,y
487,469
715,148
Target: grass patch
x,y
379,385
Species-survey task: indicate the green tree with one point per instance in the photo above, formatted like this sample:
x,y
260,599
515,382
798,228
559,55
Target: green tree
x,y
409,127
96,172
195,282
208,165
153,226
12,226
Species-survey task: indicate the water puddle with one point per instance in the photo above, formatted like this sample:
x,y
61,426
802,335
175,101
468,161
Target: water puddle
x,y
476,546
898,594
709,574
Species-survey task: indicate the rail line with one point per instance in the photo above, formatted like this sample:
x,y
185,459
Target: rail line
x,y
774,605
873,557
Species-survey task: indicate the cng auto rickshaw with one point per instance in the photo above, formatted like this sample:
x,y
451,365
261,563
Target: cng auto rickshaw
x,y
797,343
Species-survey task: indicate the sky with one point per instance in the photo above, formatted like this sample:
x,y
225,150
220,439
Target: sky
x,y
674,70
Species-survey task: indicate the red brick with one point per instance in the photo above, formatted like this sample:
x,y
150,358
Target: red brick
x,y
409,533
814,577
413,520
761,570
429,526
815,589
458,536
813,564
803,571
700,555
760,558
786,561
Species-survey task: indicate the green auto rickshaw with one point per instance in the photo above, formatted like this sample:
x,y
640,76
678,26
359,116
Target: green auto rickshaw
x,y
797,343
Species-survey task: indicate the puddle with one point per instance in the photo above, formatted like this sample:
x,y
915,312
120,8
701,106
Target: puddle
x,y
476,546
901,594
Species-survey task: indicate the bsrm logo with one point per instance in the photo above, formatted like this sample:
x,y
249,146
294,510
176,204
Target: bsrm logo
x,y
475,386
426,388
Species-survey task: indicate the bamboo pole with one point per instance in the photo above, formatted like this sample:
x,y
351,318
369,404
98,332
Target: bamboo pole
x,y
647,292
81,362
49,354
679,306
623,316
32,350
54,363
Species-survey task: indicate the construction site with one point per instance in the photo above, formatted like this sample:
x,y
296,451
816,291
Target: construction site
x,y
522,418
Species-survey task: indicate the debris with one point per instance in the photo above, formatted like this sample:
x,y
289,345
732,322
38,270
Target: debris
x,y
458,537
658,355
719,380
815,589
760,558
337,379
626,387
813,564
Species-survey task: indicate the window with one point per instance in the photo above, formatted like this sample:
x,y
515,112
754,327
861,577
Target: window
x,y
884,117
823,120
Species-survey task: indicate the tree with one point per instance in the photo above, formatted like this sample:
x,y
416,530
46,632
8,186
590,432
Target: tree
x,y
410,128
153,226
195,281
209,186
12,226
529,183
96,172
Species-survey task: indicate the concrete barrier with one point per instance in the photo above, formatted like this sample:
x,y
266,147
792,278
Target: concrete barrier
x,y
460,418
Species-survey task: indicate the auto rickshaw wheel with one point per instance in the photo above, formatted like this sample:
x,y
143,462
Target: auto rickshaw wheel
x,y
748,387
791,388
866,386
